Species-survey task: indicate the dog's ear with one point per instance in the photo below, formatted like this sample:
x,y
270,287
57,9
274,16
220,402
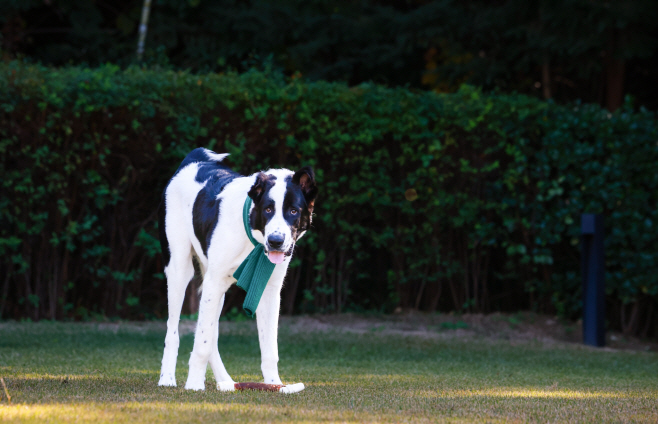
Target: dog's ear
x,y
259,187
305,177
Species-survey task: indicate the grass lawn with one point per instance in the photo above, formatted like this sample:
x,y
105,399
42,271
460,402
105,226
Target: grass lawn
x,y
95,372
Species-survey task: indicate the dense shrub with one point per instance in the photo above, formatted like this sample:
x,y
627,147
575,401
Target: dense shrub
x,y
464,202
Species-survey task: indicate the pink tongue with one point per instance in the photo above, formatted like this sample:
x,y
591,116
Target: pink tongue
x,y
275,257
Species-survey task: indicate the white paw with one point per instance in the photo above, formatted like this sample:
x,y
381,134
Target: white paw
x,y
167,380
226,386
292,388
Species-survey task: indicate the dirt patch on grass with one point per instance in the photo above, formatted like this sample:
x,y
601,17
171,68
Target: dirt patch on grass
x,y
516,328
522,327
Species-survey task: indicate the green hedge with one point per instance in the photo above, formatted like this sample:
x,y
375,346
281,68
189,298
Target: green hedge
x,y
464,202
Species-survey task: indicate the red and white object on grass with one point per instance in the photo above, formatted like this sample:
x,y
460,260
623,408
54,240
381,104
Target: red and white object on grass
x,y
230,386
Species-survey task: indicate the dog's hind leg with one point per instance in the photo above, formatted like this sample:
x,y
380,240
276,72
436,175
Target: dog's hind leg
x,y
206,330
215,360
179,272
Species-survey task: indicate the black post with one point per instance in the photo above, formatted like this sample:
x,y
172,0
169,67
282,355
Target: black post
x,y
593,271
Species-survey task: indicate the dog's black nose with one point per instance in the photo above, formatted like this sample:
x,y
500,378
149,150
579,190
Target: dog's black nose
x,y
275,241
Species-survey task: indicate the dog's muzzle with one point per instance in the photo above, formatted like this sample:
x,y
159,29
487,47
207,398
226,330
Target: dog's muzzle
x,y
274,247
275,241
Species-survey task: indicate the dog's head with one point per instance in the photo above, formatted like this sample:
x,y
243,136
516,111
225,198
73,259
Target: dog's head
x,y
283,208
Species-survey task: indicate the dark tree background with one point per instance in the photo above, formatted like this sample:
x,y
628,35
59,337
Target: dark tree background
x,y
592,50
101,134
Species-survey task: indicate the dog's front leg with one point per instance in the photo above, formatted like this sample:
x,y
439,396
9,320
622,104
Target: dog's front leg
x,y
204,337
267,318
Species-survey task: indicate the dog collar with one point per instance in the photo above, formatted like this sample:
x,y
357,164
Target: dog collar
x,y
255,271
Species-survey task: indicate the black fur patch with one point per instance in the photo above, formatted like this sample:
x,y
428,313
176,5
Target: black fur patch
x,y
217,173
302,189
205,212
294,200
259,193
305,178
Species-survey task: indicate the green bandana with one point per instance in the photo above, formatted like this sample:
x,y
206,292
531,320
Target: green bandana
x,y
255,271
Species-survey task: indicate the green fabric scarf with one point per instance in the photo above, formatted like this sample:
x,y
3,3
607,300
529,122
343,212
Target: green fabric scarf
x,y
255,271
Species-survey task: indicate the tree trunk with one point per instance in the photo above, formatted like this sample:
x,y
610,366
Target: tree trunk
x,y
143,27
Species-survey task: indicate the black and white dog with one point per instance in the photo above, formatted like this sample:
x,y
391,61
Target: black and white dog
x,y
202,216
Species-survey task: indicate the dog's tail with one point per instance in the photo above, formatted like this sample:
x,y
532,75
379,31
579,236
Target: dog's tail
x,y
217,157
201,154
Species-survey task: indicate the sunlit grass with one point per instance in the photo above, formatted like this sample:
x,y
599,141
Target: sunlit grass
x,y
59,372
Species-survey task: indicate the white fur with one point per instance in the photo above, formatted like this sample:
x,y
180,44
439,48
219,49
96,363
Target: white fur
x,y
228,247
218,157
278,224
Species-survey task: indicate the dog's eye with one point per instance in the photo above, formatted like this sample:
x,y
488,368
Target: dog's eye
x,y
293,211
268,210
